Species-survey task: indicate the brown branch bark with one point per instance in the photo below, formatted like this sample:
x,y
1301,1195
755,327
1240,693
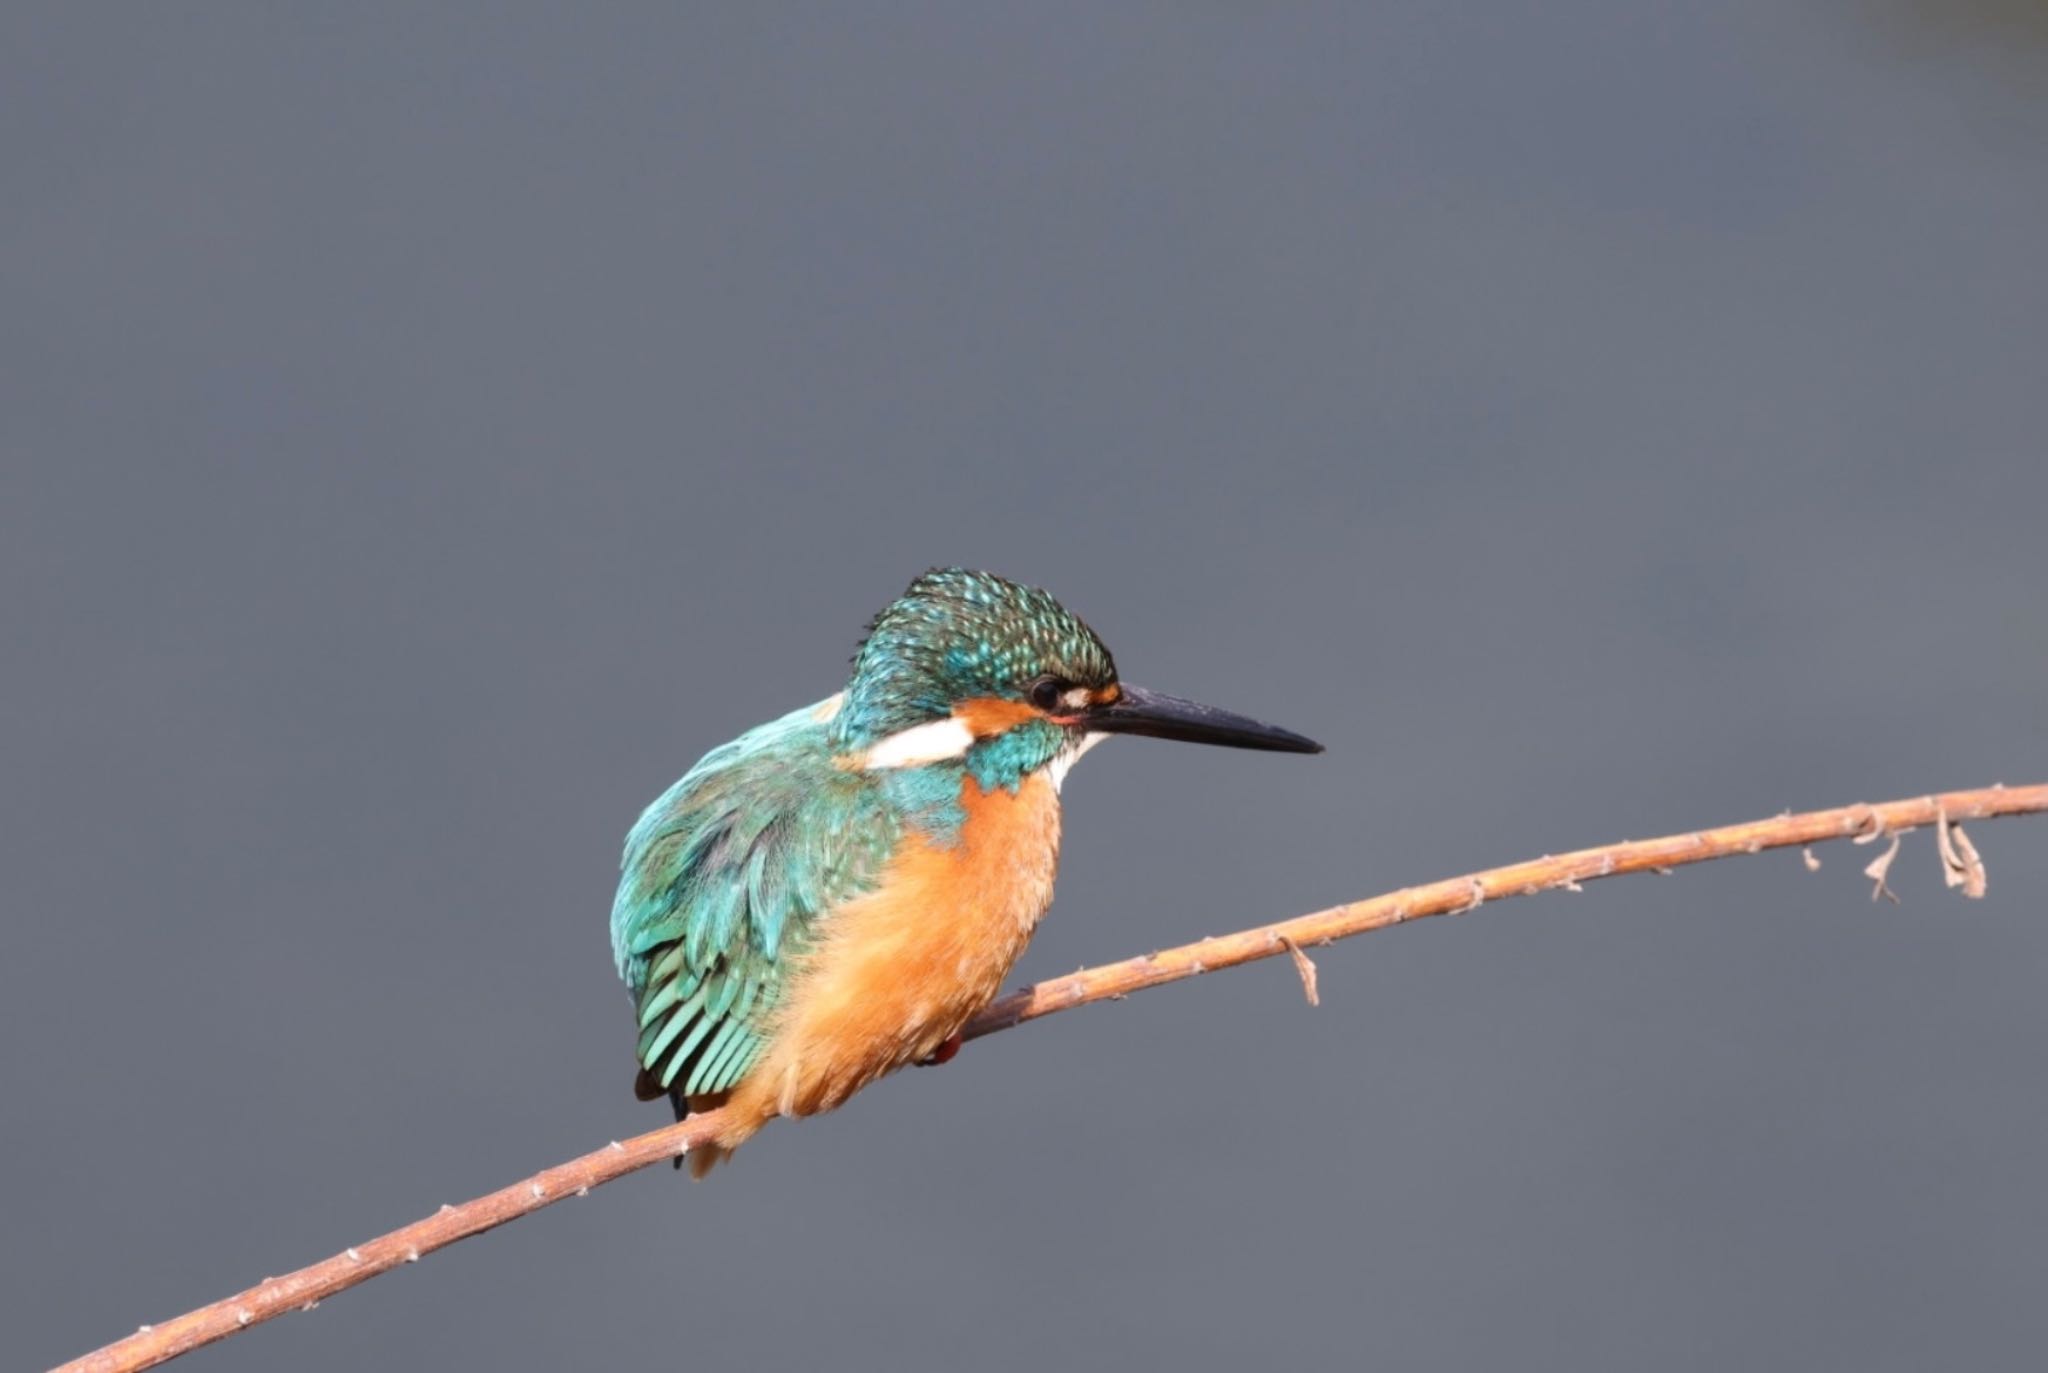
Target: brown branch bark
x,y
305,1288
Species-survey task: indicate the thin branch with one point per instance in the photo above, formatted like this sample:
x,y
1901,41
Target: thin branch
x,y
305,1288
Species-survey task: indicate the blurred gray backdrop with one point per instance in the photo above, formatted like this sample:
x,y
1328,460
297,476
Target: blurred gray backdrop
x,y
422,434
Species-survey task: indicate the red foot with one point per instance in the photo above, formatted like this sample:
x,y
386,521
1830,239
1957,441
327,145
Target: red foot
x,y
943,1054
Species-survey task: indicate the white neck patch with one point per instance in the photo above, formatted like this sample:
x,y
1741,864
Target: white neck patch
x,y
937,740
931,742
1056,770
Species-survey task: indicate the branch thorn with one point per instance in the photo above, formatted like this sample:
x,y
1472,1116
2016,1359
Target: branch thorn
x,y
1306,966
1878,867
1960,865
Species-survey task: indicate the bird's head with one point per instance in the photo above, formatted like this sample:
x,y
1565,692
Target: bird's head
x,y
971,666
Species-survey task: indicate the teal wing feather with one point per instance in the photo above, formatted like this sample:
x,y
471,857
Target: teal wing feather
x,y
722,883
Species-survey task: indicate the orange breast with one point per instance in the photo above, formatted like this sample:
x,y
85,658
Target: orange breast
x,y
898,971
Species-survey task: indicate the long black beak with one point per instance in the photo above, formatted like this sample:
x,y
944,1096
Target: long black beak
x,y
1139,711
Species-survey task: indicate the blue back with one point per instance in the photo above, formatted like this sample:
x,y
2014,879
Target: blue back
x,y
722,879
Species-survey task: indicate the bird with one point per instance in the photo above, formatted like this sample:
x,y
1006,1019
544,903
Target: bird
x,y
832,895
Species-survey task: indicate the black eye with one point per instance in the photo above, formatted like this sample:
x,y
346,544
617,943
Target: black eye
x,y
1046,692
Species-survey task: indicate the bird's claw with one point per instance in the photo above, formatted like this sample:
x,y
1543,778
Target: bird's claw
x,y
944,1053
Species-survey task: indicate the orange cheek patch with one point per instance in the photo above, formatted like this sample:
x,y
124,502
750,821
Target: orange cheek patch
x,y
1108,695
989,715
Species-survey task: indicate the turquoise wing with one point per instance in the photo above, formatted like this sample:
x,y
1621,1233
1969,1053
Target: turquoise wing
x,y
721,886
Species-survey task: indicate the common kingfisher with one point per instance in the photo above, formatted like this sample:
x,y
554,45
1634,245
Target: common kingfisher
x,y
834,894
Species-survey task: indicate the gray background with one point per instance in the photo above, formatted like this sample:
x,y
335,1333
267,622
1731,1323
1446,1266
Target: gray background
x,y
424,435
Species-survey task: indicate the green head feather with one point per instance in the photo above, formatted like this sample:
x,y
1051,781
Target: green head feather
x,y
959,635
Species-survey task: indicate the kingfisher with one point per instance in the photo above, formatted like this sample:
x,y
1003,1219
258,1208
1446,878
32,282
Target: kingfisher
x,y
833,895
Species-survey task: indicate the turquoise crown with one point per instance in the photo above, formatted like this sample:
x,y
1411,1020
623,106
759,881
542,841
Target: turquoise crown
x,y
958,635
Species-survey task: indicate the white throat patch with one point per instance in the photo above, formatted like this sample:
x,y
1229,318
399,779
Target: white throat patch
x,y
1056,770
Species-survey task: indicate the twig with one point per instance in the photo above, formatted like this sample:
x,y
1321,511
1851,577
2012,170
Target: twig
x,y
305,1288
